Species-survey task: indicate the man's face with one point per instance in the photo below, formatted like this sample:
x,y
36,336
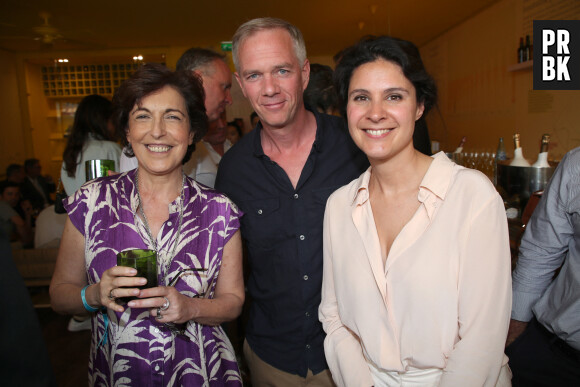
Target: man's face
x,y
271,77
34,171
11,195
216,132
217,83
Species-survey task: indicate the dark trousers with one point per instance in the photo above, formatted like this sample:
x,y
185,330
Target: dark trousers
x,y
539,358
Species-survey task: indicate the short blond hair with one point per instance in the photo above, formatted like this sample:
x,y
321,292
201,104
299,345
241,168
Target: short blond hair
x,y
268,23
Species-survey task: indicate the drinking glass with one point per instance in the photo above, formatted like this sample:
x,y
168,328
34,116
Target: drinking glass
x,y
145,261
98,168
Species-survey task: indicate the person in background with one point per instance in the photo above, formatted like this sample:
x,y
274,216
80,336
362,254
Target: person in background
x,y
204,161
18,229
320,93
543,343
216,77
280,175
47,234
92,138
254,119
416,287
15,173
35,187
24,359
170,334
234,132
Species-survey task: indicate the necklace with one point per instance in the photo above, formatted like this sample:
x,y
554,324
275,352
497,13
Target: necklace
x,y
148,229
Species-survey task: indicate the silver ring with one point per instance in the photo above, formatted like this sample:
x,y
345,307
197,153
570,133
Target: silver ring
x,y
159,316
165,305
111,297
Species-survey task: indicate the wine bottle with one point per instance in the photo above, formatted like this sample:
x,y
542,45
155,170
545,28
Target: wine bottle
x,y
500,154
521,51
542,161
518,160
527,49
459,148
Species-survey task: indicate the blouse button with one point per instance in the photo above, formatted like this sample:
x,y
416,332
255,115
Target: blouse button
x,y
169,224
157,367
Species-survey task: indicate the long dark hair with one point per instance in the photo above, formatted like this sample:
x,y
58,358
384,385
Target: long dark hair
x,y
92,117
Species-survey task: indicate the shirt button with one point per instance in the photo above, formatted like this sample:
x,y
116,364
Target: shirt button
x,y
157,367
260,212
169,224
307,314
305,278
295,196
307,346
302,237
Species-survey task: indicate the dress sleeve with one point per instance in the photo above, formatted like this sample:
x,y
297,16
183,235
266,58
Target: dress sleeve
x,y
543,246
77,209
232,219
341,347
484,297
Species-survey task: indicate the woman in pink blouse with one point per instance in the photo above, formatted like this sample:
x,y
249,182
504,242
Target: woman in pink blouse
x,y
416,287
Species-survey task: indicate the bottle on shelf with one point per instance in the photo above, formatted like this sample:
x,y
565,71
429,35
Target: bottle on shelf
x,y
521,51
500,155
518,160
459,148
542,161
528,49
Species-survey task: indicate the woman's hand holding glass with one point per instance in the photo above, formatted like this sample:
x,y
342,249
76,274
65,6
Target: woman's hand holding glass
x,y
118,282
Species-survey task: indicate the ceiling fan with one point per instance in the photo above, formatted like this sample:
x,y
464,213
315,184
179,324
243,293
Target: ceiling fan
x,y
49,37
46,33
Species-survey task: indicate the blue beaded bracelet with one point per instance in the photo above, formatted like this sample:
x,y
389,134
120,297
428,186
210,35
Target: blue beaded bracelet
x,y
86,305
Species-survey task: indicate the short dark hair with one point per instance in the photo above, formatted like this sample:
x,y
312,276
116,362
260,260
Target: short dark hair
x,y
197,58
150,78
401,52
237,126
7,184
13,168
320,92
29,163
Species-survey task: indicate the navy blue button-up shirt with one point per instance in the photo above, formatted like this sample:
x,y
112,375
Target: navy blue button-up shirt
x,y
282,227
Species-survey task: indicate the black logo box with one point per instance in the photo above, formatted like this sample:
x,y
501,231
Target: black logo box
x,y
573,64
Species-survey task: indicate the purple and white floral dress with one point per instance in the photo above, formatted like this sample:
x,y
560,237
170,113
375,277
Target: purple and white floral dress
x,y
139,351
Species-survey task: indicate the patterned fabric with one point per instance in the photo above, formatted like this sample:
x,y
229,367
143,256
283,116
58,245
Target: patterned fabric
x,y
139,351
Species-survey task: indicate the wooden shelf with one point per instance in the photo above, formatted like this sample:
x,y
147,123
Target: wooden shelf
x,y
527,65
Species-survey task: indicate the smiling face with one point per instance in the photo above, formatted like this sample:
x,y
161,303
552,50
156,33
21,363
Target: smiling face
x,y
159,132
271,76
382,109
217,84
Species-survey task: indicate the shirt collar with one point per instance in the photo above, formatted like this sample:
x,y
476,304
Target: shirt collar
x,y
435,181
321,132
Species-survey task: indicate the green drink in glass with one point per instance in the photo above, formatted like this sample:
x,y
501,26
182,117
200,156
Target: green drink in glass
x,y
145,261
98,168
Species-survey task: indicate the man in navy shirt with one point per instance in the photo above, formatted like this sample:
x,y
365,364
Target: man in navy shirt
x,y
280,175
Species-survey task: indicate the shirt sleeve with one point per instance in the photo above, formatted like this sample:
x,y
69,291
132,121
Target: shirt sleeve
x,y
484,299
342,348
543,246
233,215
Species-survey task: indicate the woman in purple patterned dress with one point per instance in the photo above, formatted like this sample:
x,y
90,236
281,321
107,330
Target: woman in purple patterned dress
x,y
170,334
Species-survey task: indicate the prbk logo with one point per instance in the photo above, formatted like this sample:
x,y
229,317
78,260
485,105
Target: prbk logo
x,y
556,54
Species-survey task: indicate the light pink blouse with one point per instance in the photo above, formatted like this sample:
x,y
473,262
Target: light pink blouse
x,y
444,298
